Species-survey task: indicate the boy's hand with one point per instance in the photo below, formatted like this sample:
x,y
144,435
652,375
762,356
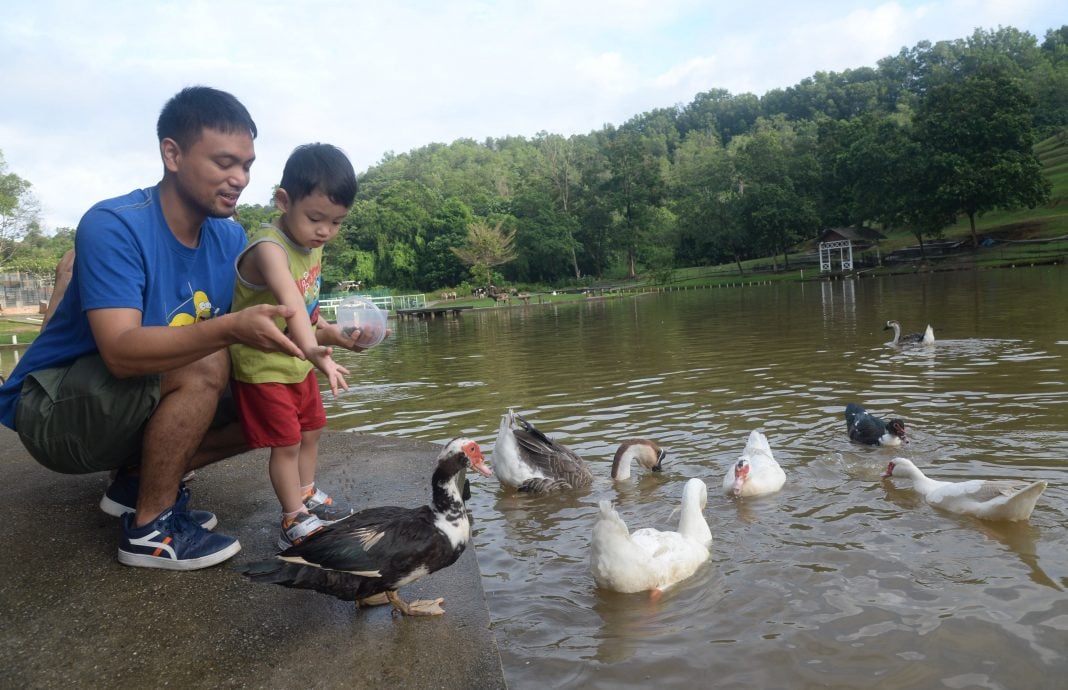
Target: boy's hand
x,y
335,374
331,334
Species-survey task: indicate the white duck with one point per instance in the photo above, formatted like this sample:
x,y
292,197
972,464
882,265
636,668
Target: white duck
x,y
650,559
981,498
755,473
648,454
528,460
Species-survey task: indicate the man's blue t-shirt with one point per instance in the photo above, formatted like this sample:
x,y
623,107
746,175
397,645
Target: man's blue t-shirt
x,y
127,257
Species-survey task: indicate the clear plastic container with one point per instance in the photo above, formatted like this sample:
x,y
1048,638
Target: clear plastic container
x,y
361,313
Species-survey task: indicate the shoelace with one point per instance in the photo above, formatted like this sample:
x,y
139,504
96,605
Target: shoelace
x,y
182,523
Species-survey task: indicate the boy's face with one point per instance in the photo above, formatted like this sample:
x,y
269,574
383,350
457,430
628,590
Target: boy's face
x,y
311,222
213,171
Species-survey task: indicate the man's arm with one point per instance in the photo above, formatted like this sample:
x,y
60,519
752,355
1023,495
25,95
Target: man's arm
x,y
130,349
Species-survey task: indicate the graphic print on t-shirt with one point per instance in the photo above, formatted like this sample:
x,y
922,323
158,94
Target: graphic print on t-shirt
x,y
201,310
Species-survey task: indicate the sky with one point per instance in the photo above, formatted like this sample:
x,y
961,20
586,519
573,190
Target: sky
x,y
83,81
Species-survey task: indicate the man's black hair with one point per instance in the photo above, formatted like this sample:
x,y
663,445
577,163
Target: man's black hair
x,y
319,167
196,108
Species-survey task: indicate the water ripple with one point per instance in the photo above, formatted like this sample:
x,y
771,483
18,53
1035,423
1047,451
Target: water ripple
x,y
839,578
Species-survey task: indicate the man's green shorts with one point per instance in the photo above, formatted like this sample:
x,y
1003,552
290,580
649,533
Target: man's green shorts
x,y
81,418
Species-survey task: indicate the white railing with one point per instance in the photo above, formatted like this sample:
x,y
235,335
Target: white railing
x,y
389,303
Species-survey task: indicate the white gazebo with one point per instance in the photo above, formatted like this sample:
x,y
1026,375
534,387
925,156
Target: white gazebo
x,y
842,241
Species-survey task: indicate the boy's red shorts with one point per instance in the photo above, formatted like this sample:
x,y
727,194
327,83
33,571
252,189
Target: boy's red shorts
x,y
274,414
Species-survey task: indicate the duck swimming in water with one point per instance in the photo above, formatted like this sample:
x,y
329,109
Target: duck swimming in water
x,y
648,559
870,430
526,459
756,472
925,338
981,498
378,550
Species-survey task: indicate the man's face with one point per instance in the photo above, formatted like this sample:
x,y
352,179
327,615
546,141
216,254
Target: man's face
x,y
212,173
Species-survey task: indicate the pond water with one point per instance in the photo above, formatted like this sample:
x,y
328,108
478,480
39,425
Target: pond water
x,y
841,579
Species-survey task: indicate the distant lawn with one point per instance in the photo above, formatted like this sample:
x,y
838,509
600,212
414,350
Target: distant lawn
x,y
25,332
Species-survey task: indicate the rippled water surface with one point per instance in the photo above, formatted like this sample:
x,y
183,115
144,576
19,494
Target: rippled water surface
x,y
841,579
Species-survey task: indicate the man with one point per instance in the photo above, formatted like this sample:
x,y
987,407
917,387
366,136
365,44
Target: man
x,y
128,372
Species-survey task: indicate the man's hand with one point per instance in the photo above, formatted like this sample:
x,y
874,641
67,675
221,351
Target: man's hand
x,y
256,327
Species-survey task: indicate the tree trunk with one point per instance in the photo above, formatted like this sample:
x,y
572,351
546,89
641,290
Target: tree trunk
x,y
975,238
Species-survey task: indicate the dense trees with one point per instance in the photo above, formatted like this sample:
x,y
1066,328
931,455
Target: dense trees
x,y
18,210
934,132
978,144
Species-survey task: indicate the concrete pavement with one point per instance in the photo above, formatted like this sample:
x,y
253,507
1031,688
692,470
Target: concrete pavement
x,y
73,616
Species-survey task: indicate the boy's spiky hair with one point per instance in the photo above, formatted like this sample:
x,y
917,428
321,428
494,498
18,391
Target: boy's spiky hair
x,y
319,167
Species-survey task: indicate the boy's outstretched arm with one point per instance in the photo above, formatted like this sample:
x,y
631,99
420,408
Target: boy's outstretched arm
x,y
269,262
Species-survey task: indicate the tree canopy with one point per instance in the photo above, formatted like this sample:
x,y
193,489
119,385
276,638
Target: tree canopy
x,y
935,132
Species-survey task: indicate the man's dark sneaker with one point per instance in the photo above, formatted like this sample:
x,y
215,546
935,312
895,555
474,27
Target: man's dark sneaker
x,y
121,498
173,541
326,508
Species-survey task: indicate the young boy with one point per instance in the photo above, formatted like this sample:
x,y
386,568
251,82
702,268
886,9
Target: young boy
x,y
277,395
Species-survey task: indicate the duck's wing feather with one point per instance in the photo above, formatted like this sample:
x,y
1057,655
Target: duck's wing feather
x,y
371,541
544,485
852,411
993,489
867,428
553,459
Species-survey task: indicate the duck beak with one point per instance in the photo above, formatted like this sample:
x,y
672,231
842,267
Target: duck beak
x,y
740,475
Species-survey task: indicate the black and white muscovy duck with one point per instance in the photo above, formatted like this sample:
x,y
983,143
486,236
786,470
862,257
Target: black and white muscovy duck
x,y
526,459
925,338
1000,499
378,550
868,429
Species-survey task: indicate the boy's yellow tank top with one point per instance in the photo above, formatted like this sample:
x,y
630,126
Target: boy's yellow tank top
x,y
249,364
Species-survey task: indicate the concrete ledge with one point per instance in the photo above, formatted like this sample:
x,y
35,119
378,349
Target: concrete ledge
x,y
73,616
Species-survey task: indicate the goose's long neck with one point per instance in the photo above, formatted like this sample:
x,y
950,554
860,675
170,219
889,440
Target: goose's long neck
x,y
897,332
621,464
692,524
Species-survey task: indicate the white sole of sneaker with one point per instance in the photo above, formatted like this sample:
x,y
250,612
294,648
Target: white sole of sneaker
x,y
142,560
112,508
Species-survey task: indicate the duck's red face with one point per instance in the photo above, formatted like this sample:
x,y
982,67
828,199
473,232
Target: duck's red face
x,y
477,460
741,473
889,470
897,428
